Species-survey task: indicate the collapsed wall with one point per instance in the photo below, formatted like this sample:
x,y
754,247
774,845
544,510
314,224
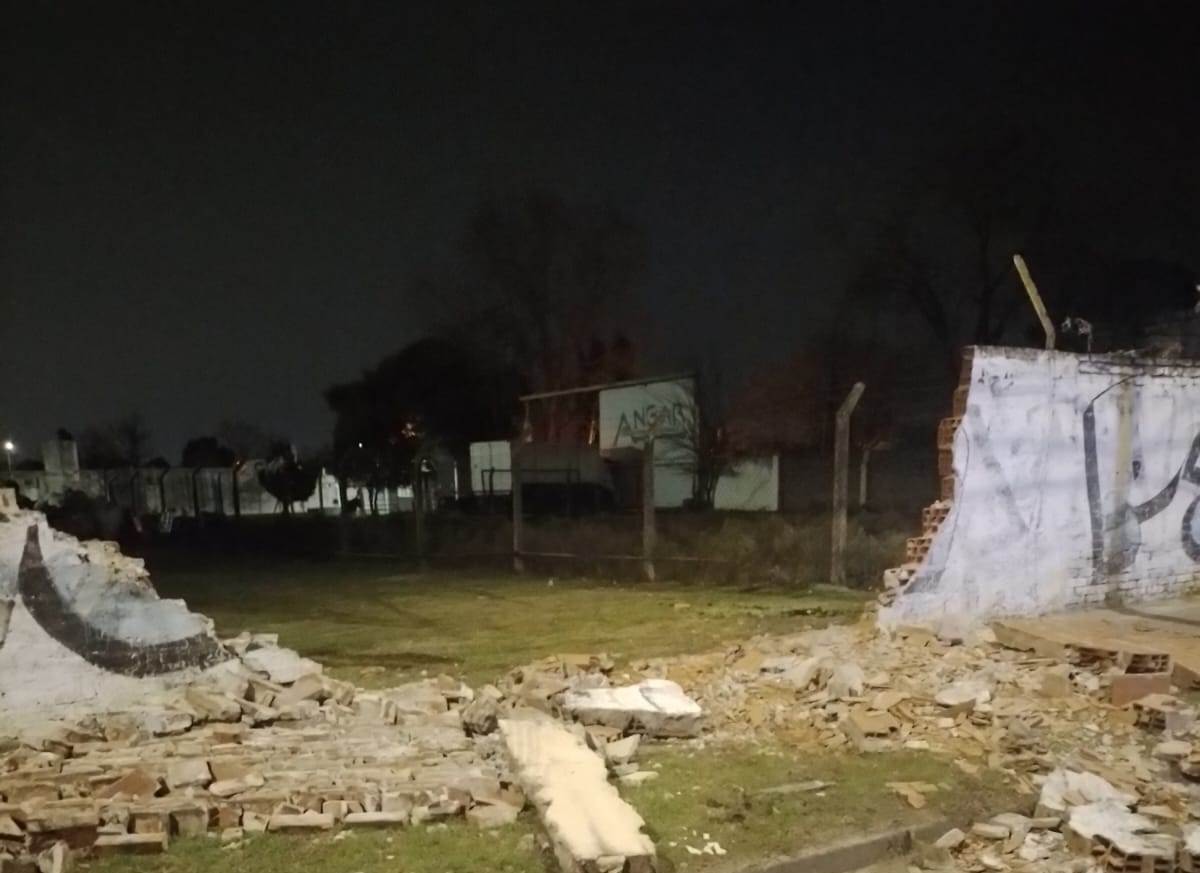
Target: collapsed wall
x,y
1068,480
82,628
125,722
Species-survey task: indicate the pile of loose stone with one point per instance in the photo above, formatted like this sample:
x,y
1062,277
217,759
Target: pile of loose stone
x,y
1110,759
278,748
267,742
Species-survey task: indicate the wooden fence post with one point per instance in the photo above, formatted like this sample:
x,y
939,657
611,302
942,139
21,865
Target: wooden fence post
x,y
418,489
518,521
841,464
649,532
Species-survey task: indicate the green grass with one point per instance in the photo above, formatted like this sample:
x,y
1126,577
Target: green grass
x,y
378,624
457,848
713,791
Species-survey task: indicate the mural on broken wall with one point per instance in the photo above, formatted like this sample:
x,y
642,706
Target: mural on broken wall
x,y
112,620
1077,481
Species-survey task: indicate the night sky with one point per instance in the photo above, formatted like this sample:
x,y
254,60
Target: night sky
x,y
209,213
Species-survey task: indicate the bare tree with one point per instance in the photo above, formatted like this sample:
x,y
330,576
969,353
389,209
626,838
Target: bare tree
x,y
246,440
945,251
121,443
700,443
545,279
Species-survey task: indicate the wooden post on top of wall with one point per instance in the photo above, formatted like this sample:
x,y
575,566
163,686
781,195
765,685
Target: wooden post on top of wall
x,y
841,484
518,520
649,532
1035,299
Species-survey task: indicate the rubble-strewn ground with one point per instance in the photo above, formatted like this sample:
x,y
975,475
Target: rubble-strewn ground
x,y
376,624
757,801
810,735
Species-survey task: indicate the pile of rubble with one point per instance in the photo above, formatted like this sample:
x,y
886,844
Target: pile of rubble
x,y
1109,752
1081,822
125,722
251,750
153,728
268,743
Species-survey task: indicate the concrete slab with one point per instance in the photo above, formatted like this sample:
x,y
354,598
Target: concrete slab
x,y
657,707
587,821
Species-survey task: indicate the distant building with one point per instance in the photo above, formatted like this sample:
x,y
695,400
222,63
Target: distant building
x,y
183,491
624,415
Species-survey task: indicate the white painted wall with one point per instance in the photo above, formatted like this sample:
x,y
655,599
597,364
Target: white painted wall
x,y
540,462
628,415
37,673
491,465
1077,476
749,485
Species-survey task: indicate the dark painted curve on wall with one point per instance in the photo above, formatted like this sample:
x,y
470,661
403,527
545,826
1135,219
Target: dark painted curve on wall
x,y
55,616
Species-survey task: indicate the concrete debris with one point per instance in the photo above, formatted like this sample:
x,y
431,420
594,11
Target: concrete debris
x,y
990,830
299,822
622,751
965,691
588,823
481,716
189,773
280,665
1043,725
237,737
1173,750
1063,789
845,681
488,817
801,673
951,839
639,777
656,707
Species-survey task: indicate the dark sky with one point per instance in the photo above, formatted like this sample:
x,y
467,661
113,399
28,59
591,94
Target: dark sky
x,y
207,212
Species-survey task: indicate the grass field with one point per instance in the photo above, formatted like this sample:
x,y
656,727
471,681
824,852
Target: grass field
x,y
379,624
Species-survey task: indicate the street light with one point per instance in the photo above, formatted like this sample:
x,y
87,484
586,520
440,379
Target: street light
x,y
9,448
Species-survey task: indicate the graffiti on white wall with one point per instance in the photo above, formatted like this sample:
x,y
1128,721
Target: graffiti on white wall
x,y
1077,482
629,415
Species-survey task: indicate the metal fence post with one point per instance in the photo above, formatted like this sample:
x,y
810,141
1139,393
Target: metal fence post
x,y
841,464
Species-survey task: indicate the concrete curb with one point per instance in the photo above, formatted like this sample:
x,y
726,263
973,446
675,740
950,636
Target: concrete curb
x,y
858,852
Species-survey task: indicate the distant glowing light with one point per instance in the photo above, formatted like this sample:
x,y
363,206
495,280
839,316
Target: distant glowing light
x,y
10,446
